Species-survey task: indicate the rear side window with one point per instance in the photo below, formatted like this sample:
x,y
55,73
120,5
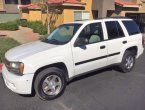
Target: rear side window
x,y
114,30
131,27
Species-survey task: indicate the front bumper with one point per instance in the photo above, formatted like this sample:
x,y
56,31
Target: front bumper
x,y
16,83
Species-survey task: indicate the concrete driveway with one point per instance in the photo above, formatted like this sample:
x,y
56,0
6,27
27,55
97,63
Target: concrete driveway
x,y
102,90
23,35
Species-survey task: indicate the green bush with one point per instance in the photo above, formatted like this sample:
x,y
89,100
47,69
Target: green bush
x,y
37,27
5,45
22,22
12,26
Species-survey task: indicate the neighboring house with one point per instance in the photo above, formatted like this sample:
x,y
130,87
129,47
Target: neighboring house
x,y
134,9
63,11
9,9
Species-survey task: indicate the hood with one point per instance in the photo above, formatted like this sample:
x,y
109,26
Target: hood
x,y
26,50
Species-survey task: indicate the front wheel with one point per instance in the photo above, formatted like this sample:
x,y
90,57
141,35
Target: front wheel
x,y
128,62
50,83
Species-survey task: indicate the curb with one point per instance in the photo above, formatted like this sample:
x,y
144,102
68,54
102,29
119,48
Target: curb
x,y
1,68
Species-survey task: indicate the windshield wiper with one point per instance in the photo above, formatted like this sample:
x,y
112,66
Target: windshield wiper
x,y
53,41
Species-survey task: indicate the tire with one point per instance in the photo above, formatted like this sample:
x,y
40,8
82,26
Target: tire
x,y
125,66
47,81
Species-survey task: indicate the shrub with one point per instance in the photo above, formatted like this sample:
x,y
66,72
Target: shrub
x,y
22,22
5,45
12,26
37,27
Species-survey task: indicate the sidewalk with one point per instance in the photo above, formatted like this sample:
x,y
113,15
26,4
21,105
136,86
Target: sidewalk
x,y
23,35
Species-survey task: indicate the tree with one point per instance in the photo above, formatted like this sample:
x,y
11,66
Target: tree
x,y
50,10
45,7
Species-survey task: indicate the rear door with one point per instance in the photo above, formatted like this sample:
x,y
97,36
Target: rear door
x,y
116,40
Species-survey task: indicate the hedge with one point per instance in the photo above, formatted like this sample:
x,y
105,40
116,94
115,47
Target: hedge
x,y
12,26
5,45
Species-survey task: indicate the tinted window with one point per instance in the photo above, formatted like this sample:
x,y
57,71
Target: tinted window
x,y
11,1
92,33
131,27
114,30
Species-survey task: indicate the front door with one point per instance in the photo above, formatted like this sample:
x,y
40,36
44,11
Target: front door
x,y
90,50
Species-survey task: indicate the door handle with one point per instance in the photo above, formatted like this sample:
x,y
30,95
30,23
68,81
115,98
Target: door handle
x,y
124,42
102,47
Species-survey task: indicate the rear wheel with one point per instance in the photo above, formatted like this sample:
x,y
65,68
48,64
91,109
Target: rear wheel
x,y
50,83
128,62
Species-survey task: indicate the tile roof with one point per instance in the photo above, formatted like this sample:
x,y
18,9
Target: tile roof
x,y
126,3
37,5
65,1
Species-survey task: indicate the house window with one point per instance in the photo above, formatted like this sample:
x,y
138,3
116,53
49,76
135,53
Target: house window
x,y
11,1
81,15
25,2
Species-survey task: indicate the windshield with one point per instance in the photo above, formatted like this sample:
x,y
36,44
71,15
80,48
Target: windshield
x,y
63,34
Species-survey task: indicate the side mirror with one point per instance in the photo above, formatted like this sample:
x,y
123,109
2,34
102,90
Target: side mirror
x,y
81,41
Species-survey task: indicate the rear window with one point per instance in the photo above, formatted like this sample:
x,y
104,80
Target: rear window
x,y
131,27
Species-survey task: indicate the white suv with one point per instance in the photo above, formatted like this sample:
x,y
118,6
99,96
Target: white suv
x,y
71,50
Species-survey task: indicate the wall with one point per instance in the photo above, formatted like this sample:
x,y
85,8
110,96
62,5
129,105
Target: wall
x,y
88,7
54,19
107,5
31,14
5,17
10,8
68,15
102,6
1,5
142,9
35,15
25,14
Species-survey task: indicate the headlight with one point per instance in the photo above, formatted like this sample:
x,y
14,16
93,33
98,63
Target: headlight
x,y
15,67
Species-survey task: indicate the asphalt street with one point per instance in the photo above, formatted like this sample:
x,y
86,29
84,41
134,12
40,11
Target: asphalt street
x,y
107,89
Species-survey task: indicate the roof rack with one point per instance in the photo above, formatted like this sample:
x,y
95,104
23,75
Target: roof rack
x,y
118,17
115,17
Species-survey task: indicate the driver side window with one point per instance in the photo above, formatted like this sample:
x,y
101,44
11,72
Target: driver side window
x,y
92,33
